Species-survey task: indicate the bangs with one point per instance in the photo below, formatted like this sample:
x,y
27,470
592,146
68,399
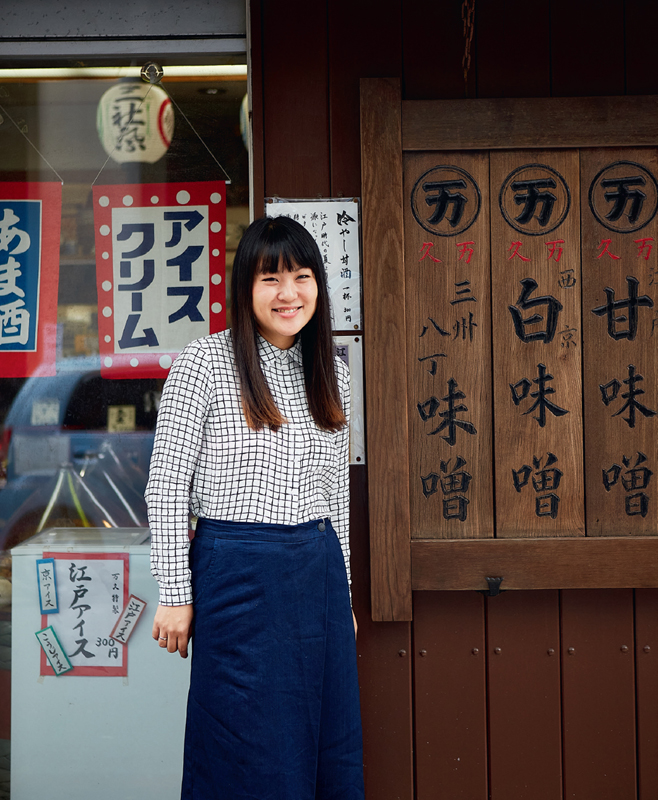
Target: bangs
x,y
270,261
281,250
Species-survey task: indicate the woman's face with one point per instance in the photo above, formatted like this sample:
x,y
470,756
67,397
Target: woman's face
x,y
283,302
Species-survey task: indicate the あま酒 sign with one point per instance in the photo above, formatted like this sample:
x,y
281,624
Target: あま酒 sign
x,y
30,216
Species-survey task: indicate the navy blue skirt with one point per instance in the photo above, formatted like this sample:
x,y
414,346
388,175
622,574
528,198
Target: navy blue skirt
x,y
273,708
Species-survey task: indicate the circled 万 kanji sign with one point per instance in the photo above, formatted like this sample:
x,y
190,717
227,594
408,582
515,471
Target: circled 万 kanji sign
x,y
534,199
624,196
446,200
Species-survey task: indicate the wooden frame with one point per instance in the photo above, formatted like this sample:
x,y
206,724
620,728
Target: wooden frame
x,y
517,123
398,564
604,562
386,359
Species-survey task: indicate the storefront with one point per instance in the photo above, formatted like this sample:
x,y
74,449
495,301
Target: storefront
x,y
542,691
125,173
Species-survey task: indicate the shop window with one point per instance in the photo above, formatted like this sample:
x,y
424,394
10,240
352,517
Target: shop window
x,y
75,417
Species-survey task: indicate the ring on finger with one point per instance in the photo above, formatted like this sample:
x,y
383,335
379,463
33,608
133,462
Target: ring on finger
x,y
163,638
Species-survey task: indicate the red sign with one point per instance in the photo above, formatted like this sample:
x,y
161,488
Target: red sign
x,y
160,272
30,219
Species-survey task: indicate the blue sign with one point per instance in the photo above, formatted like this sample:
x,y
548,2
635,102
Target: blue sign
x,y
20,273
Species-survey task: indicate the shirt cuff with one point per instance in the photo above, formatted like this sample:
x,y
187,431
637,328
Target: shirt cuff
x,y
175,595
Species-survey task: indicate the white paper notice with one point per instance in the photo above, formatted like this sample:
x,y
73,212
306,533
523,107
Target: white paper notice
x,y
92,589
334,225
350,349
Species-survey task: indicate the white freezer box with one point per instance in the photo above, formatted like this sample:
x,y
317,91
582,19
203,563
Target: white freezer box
x,y
106,737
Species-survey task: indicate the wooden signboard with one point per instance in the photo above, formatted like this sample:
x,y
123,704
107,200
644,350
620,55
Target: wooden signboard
x,y
446,221
520,273
620,325
535,263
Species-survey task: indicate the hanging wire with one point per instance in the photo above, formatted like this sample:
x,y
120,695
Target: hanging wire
x,y
468,18
194,130
30,142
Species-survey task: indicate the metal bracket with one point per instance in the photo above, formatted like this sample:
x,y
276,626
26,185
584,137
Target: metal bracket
x,y
152,72
494,587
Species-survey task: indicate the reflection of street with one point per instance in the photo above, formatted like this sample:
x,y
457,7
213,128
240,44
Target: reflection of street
x,y
76,449
5,588
98,491
4,767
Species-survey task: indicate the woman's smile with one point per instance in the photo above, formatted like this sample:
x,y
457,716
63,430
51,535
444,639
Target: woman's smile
x,y
283,302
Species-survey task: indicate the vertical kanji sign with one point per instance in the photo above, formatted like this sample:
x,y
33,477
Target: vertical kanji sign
x,y
160,271
537,335
30,217
448,344
620,316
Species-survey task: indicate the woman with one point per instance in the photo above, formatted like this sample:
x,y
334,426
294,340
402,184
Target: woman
x,y
252,436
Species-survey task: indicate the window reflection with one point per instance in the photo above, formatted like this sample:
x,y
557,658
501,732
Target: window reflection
x,y
74,448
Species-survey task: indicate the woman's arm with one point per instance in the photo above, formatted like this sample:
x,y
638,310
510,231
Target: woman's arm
x,y
182,414
339,503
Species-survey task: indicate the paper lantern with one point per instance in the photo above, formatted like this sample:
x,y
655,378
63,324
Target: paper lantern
x,y
245,129
135,122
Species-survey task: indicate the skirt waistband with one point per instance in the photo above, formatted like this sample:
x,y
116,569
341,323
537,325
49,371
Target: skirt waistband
x,y
262,531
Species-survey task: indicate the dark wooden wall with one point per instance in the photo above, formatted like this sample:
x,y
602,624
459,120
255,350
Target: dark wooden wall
x,y
477,697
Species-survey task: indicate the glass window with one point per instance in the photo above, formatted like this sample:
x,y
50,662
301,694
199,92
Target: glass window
x,y
75,446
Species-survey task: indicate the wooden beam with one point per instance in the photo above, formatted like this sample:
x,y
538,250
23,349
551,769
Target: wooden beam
x,y
529,122
385,352
574,563
255,55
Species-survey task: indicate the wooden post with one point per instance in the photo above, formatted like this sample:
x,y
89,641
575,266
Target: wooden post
x,y
385,352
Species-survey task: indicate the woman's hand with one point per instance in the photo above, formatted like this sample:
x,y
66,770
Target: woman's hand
x,y
356,627
171,628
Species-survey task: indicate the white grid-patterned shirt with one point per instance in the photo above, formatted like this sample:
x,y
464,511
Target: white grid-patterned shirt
x,y
205,458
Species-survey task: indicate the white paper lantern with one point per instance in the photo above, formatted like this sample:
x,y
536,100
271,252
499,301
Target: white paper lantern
x,y
133,126
245,129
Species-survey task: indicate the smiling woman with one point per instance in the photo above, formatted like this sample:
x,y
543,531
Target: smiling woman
x,y
252,434
270,246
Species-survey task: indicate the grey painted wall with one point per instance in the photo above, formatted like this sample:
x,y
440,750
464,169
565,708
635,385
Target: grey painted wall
x,y
137,18
72,30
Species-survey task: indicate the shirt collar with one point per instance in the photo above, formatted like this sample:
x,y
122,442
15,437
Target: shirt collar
x,y
270,354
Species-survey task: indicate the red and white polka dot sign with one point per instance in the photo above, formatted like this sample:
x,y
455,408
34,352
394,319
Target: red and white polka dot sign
x,y
160,272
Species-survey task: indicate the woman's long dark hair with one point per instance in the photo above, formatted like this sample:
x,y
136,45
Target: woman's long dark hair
x,y
266,244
